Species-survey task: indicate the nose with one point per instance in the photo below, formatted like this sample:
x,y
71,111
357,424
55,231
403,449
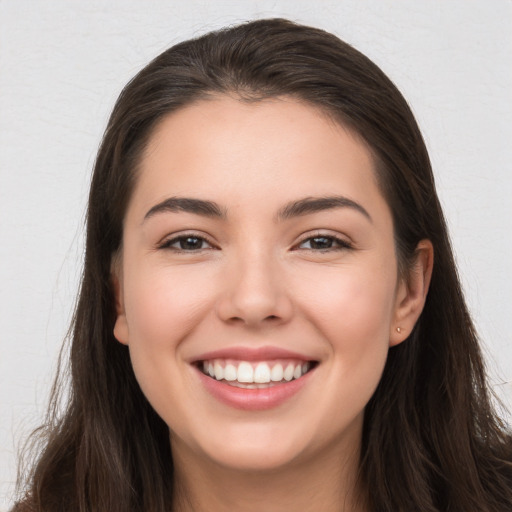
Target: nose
x,y
254,293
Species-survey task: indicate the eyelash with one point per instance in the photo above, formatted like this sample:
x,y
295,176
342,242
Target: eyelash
x,y
167,244
341,243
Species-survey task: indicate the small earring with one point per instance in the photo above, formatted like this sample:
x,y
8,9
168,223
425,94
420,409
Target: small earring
x,y
398,330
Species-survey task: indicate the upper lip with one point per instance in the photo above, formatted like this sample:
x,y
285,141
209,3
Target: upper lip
x,y
251,354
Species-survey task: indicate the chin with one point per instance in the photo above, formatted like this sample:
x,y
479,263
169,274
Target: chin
x,y
258,446
254,457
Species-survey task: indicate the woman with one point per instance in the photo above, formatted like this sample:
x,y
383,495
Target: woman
x,y
261,324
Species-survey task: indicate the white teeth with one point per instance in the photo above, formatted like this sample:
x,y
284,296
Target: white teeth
x,y
245,373
288,373
252,377
262,373
276,375
230,373
219,371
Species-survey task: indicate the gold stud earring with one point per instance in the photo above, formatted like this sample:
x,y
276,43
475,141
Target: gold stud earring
x,y
398,330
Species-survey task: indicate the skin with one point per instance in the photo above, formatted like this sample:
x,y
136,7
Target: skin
x,y
258,281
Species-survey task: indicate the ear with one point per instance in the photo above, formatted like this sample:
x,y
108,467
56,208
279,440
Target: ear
x,y
411,293
121,325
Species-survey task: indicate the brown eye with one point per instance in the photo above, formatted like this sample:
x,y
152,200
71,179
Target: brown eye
x,y
320,243
191,243
188,243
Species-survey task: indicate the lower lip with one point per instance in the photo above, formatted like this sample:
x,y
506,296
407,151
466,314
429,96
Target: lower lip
x,y
253,399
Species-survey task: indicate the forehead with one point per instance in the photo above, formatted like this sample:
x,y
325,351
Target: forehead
x,y
271,149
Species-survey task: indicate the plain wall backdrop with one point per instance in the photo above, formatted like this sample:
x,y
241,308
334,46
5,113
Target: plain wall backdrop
x,y
62,65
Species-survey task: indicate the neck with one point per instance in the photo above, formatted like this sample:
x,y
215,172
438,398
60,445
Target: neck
x,y
328,483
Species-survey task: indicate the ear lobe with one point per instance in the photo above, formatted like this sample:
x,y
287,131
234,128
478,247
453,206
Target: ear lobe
x,y
121,325
412,293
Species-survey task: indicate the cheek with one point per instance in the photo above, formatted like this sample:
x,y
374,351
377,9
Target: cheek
x,y
353,309
163,305
355,300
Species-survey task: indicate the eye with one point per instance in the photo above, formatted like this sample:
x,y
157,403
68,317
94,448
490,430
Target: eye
x,y
186,243
324,243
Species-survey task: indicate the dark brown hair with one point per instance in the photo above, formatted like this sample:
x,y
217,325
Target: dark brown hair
x,y
431,440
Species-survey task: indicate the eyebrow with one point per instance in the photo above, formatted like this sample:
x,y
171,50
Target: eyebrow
x,y
305,206
187,204
310,205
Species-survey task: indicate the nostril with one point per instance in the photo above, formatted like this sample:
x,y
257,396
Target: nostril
x,y
238,319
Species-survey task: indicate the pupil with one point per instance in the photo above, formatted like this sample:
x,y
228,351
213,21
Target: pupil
x,y
191,242
321,242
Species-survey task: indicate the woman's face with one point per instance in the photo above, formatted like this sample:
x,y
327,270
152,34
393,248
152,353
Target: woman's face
x,y
258,248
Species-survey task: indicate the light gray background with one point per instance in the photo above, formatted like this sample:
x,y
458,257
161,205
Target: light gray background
x,y
63,63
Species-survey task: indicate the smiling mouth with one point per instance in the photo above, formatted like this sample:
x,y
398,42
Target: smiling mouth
x,y
254,374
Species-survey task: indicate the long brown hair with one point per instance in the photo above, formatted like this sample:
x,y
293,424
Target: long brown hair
x,y
431,440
